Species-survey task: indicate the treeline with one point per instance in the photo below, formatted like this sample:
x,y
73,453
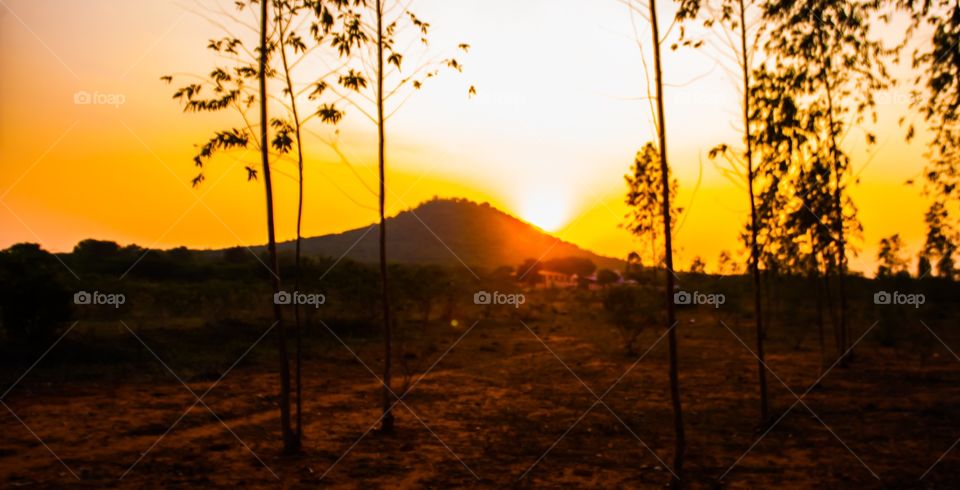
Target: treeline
x,y
164,287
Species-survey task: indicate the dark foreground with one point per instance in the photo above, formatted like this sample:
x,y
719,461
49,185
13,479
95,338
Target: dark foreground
x,y
511,405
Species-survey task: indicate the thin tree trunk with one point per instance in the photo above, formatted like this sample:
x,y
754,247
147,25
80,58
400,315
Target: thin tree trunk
x,y
296,280
819,296
768,277
831,310
653,257
680,446
387,424
755,251
289,443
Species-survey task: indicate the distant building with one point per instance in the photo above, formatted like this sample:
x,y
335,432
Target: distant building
x,y
553,279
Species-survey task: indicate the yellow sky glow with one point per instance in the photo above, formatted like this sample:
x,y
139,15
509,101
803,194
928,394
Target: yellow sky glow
x,y
554,127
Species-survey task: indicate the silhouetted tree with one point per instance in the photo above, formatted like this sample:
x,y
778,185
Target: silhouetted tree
x,y
631,309
808,246
644,200
654,154
320,18
923,266
232,89
889,259
290,443
34,297
580,266
726,264
793,175
236,255
606,277
379,27
698,266
282,142
732,15
634,266
529,272
940,244
938,100
95,249
838,67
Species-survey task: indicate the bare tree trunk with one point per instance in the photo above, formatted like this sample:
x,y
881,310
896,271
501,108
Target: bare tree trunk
x,y
296,280
831,310
768,277
653,258
289,443
387,424
754,249
680,446
820,333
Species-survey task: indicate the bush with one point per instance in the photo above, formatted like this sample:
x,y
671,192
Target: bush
x,y
631,309
34,298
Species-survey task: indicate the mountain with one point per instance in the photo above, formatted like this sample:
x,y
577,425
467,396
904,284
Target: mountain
x,y
450,232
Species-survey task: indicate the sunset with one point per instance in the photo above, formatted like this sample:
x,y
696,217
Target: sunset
x,y
548,137
354,197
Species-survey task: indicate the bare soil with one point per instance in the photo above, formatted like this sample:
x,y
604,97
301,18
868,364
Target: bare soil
x,y
510,405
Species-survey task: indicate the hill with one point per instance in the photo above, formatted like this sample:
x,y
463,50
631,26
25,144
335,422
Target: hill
x,y
448,232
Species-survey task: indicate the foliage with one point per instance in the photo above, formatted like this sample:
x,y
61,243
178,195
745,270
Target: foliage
x,y
726,264
631,309
34,296
645,199
939,103
396,33
606,277
831,66
890,259
698,266
419,288
580,266
941,241
529,272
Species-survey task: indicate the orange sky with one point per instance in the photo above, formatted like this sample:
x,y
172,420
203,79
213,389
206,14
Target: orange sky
x,y
552,131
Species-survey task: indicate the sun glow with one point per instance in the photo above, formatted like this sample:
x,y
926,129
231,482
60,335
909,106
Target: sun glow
x,y
546,209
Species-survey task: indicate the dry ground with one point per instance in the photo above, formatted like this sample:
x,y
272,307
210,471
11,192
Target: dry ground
x,y
507,407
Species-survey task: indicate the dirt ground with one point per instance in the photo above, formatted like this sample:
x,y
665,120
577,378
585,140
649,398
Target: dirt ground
x,y
510,405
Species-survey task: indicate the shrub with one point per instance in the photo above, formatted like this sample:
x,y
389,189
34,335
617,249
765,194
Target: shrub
x,y
631,309
34,299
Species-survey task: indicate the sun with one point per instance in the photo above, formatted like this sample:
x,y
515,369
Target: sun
x,y
547,210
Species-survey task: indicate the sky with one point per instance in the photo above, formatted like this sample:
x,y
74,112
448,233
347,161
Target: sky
x,y
558,115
